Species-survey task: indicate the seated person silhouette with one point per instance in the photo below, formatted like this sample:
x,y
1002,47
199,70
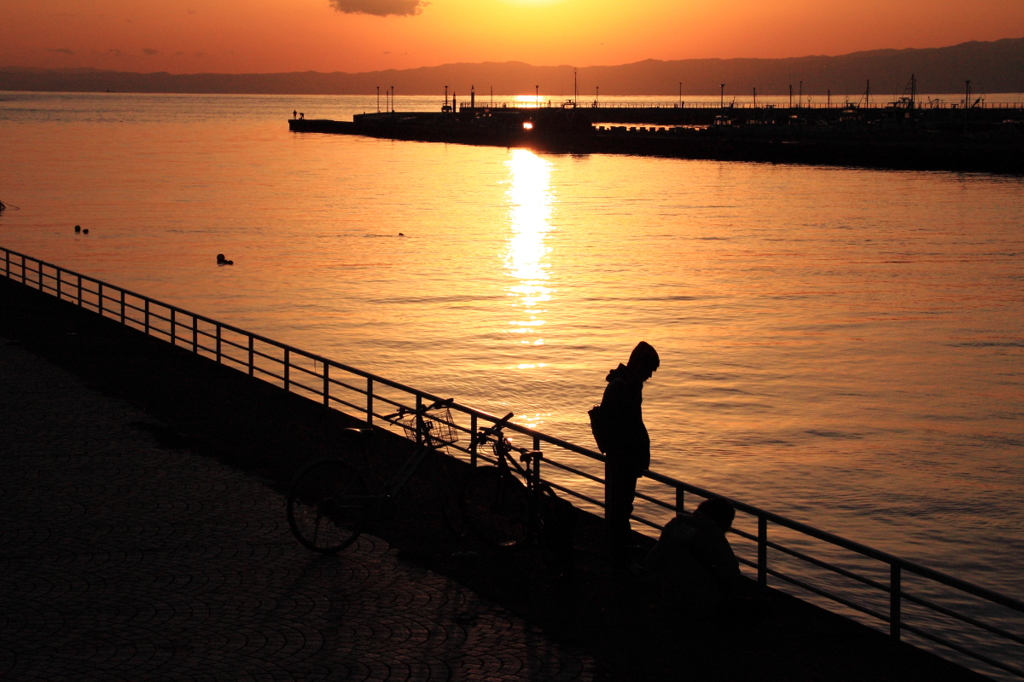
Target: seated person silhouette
x,y
693,563
221,260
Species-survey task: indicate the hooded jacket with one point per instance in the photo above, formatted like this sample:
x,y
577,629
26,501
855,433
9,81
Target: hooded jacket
x,y
628,442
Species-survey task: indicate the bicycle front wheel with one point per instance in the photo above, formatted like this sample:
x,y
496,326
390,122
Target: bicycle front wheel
x,y
328,505
496,506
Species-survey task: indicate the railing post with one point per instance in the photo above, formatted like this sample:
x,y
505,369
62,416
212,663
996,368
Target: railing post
x,y
762,552
535,460
287,369
472,439
895,599
39,274
680,500
327,385
146,324
123,312
252,355
7,264
58,285
419,412
369,401
79,291
218,343
174,331
195,335
100,300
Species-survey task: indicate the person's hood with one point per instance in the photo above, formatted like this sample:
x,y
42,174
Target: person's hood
x,y
620,372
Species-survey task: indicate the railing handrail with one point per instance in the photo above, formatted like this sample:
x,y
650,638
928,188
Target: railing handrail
x,y
63,289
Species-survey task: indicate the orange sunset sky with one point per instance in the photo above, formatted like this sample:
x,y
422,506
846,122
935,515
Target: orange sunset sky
x,y
239,36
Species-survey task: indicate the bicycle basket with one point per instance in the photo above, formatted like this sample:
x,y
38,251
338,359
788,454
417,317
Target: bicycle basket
x,y
439,422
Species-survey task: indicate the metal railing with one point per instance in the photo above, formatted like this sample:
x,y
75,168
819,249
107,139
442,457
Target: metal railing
x,y
974,622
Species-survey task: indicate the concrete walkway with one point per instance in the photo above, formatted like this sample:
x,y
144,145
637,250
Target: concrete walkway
x,y
124,559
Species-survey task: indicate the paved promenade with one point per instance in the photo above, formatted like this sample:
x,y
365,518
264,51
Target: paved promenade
x,y
124,559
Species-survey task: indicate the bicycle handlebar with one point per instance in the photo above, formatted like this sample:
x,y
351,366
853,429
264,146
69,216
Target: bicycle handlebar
x,y
494,428
436,405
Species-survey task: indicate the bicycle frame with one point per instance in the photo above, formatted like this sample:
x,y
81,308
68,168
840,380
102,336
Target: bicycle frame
x,y
528,471
394,486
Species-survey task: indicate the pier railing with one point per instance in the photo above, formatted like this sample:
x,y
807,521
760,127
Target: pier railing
x,y
975,626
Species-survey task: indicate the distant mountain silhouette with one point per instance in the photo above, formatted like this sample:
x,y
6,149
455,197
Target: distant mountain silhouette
x,y
990,66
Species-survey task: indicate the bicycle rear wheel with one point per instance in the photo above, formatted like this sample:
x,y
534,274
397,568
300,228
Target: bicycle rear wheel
x,y
496,506
327,505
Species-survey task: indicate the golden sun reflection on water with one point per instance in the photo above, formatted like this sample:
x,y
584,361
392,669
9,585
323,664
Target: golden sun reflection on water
x,y
530,200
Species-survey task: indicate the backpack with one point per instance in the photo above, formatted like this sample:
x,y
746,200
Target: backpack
x,y
600,427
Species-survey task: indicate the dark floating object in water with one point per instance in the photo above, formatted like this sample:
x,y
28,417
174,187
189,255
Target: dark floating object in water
x,y
85,231
78,228
221,260
401,234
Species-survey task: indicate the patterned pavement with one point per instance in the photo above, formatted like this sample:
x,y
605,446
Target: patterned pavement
x,y
124,559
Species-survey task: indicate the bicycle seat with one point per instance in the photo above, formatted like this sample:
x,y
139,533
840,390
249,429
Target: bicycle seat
x,y
358,435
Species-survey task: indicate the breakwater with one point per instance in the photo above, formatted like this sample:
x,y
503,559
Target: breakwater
x,y
898,137
764,540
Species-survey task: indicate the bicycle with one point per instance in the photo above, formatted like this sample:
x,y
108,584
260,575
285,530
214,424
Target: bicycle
x,y
507,504
330,503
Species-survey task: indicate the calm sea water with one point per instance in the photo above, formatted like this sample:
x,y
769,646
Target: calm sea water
x,y
841,346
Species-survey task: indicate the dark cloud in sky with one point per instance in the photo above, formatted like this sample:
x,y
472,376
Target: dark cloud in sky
x,y
61,50
150,51
380,8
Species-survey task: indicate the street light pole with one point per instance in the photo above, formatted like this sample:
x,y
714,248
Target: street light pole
x,y
721,97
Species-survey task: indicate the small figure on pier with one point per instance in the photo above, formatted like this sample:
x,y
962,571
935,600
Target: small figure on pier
x,y
221,260
295,114
302,116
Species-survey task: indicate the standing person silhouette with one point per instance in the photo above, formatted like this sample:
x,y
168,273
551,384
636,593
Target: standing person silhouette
x,y
628,447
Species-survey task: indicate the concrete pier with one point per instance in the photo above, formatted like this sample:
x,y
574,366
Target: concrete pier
x,y
983,140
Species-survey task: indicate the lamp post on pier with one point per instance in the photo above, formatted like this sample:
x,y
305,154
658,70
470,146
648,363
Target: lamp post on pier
x,y
721,97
